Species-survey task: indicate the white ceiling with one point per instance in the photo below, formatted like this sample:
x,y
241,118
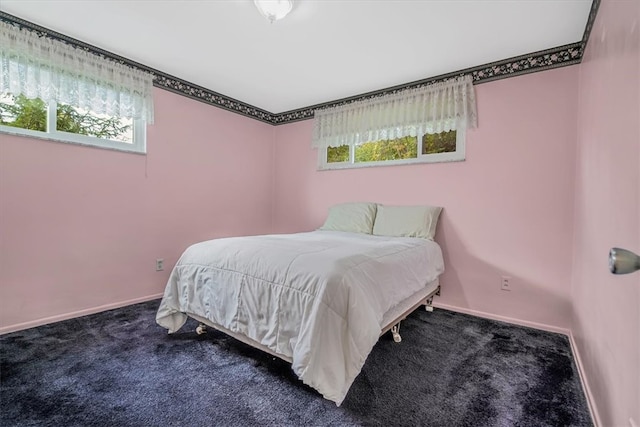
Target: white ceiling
x,y
322,51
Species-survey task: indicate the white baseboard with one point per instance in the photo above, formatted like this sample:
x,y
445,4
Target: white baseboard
x,y
574,349
595,417
514,321
66,316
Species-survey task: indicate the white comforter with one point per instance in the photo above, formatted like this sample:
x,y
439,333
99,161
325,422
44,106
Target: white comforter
x,y
317,298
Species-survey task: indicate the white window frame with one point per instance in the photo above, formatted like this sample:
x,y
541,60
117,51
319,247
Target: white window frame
x,y
138,144
457,156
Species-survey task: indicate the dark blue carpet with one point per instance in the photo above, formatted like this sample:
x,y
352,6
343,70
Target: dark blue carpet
x,y
118,368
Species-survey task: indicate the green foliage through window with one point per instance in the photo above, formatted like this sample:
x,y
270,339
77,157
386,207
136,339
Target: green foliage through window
x,y
394,149
444,142
338,154
22,112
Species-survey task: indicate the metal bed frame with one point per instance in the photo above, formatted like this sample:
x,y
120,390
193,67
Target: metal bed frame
x,y
394,325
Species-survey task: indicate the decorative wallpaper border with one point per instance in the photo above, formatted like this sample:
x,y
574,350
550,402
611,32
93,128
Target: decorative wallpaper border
x,y
551,58
560,56
590,21
160,79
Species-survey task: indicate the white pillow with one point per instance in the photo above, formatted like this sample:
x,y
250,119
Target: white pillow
x,y
353,217
407,221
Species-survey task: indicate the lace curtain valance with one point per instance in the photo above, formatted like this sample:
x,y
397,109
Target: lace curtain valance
x,y
39,67
434,108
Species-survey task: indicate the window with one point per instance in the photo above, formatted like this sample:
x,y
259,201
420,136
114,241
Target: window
x,y
61,122
52,90
430,148
381,129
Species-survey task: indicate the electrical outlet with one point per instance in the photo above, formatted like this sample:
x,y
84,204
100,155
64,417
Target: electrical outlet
x,y
159,264
505,283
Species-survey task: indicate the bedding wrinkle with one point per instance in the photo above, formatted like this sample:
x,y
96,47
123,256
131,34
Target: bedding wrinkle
x,y
235,321
316,298
292,341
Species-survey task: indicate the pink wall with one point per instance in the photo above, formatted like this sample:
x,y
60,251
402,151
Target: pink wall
x,y
508,209
606,324
81,227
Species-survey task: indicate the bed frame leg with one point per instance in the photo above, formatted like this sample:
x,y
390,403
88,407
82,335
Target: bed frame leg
x,y
201,329
428,305
395,331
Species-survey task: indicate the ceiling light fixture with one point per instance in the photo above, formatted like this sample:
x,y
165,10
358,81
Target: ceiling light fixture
x,y
274,10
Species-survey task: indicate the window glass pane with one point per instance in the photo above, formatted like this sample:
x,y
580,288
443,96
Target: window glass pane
x,y
22,112
444,142
338,154
393,149
84,122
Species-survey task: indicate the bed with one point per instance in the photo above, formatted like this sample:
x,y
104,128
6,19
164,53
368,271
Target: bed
x,y
319,300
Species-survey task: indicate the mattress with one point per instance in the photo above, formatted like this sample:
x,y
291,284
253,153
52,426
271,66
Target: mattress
x,y
317,299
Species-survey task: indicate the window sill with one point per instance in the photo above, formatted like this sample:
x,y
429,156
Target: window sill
x,y
431,159
75,139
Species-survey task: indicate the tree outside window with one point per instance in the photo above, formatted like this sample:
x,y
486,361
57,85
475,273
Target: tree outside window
x,y
32,114
394,149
